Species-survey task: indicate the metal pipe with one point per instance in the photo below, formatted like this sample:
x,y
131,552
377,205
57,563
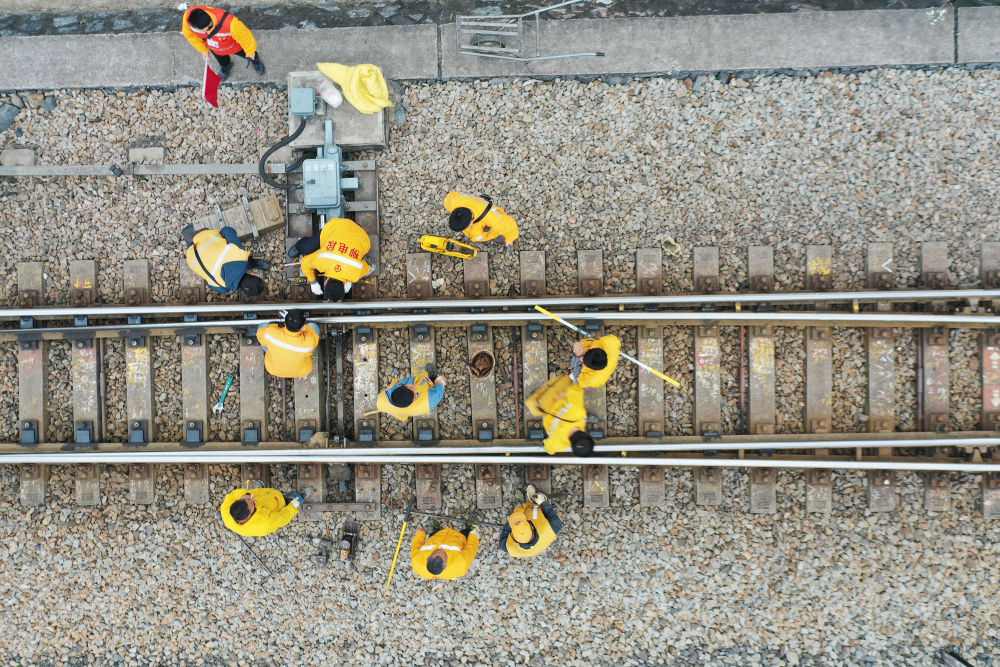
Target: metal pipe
x,y
776,319
293,456
526,303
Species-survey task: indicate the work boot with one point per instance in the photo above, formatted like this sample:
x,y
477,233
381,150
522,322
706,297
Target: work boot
x,y
432,372
224,71
293,252
258,65
259,264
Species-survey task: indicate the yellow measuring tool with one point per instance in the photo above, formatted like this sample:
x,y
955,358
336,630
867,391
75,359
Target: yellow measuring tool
x,y
443,246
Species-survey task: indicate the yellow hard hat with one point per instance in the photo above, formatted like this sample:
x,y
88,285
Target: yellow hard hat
x,y
520,527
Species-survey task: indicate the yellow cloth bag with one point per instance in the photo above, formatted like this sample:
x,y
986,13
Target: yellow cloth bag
x,y
363,85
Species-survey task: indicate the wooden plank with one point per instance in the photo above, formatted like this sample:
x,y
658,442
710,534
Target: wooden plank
x,y
249,220
425,427
139,407
881,411
252,390
707,377
534,361
880,266
649,277
761,268
32,386
84,373
483,391
818,416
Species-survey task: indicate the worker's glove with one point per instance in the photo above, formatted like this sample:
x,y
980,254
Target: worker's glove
x,y
473,521
316,289
474,531
296,501
537,498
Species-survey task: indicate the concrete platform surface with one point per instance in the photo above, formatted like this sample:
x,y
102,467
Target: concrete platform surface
x,y
95,61
764,41
979,34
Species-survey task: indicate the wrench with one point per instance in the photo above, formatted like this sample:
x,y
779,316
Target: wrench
x,y
219,407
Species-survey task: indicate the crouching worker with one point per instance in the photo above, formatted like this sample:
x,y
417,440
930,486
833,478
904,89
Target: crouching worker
x,y
559,402
288,346
479,219
415,395
334,259
531,528
594,360
220,260
261,511
446,554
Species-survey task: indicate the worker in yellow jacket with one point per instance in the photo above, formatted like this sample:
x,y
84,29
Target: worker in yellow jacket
x,y
334,259
259,512
216,31
594,360
222,262
559,402
446,554
479,218
415,395
531,527
288,346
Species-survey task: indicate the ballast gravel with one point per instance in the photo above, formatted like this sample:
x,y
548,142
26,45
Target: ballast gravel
x,y
895,156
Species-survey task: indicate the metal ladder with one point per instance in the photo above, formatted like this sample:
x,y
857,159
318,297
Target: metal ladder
x,y
502,36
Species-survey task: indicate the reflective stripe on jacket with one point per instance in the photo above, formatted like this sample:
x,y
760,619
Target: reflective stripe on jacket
x,y
421,404
233,37
215,252
342,247
559,402
461,552
612,347
289,353
271,514
496,223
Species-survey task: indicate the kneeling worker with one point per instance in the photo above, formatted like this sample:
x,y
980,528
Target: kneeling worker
x,y
219,258
288,346
479,219
261,511
415,395
531,528
559,402
594,360
335,255
447,554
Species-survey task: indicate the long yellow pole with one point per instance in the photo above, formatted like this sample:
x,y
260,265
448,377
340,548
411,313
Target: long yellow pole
x,y
635,361
399,545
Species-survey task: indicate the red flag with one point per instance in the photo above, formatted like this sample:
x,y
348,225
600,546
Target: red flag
x,y
210,86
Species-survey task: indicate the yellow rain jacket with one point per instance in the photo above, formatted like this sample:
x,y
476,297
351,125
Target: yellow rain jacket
x,y
612,347
289,353
215,253
496,223
271,514
363,85
421,404
544,533
342,247
461,552
560,404
233,37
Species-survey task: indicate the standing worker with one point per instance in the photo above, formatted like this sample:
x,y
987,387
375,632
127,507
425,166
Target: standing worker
x,y
415,395
336,255
479,219
261,511
288,346
210,29
220,259
531,528
559,402
594,360
447,554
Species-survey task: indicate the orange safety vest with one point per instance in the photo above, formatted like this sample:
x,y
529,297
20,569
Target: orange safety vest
x,y
222,42
421,404
214,251
546,536
343,244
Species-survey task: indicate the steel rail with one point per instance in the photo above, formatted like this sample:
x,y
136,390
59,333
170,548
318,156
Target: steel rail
x,y
294,456
819,318
546,301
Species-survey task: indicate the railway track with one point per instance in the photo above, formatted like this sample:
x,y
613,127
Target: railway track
x,y
326,417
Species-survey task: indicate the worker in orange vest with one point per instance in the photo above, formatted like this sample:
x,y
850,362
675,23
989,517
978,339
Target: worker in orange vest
x,y
210,29
479,219
334,259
